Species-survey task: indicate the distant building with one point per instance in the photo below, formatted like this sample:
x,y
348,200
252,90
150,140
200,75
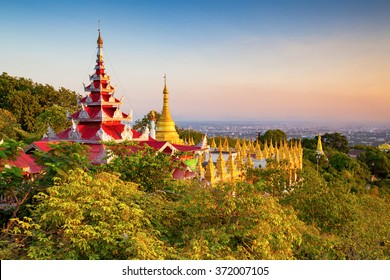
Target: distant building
x,y
384,147
354,153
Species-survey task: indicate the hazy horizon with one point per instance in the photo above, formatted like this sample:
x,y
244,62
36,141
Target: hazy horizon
x,y
324,61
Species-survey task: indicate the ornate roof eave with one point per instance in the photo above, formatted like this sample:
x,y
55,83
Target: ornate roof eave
x,y
100,89
167,145
95,77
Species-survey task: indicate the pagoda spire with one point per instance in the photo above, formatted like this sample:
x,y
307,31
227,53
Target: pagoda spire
x,y
210,171
166,114
100,116
166,130
319,146
100,48
221,167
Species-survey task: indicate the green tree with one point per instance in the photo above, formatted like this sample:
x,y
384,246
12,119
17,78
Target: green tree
x,y
274,135
318,204
367,236
197,136
26,100
340,161
60,159
9,127
55,116
310,143
273,179
145,121
90,217
56,163
142,165
377,161
25,107
233,221
12,183
336,141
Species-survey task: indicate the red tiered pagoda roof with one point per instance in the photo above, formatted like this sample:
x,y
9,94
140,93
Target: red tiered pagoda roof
x,y
100,119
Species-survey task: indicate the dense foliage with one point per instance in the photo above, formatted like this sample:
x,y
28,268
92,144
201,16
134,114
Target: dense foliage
x,y
26,108
132,209
273,135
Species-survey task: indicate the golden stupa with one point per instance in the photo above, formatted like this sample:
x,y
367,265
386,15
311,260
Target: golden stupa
x,y
166,128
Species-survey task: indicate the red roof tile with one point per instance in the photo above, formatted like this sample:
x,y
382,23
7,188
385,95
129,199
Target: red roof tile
x,y
26,163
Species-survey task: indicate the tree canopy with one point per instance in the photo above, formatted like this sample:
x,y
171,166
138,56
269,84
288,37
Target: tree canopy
x,y
90,217
274,135
27,102
336,141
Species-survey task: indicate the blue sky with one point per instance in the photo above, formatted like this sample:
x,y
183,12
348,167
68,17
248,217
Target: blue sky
x,y
258,60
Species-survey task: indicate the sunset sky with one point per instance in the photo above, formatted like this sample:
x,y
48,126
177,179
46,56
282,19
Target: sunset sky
x,y
224,60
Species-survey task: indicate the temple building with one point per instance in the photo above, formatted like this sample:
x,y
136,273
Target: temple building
x,y
385,147
101,119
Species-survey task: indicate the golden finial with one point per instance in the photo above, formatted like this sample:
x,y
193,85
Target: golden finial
x,y
99,40
165,84
153,115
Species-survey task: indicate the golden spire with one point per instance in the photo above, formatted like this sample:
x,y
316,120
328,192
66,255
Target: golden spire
x,y
210,171
232,167
244,146
238,146
220,147
239,160
249,161
99,40
153,115
166,114
166,130
259,154
213,145
221,167
226,145
266,151
271,149
319,146
199,167
99,54
251,147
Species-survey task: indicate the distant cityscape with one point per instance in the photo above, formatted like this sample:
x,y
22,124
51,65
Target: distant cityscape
x,y
366,134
